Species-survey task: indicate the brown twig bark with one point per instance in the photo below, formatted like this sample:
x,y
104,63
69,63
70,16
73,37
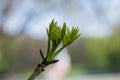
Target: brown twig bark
x,y
40,68
37,71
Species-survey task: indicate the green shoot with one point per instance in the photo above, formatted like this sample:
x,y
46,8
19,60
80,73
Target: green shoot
x,y
56,36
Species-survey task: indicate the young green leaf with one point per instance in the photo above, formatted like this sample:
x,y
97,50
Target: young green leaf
x,y
54,31
63,32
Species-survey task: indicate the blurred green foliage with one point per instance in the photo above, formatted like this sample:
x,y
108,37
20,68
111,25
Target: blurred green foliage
x,y
98,54
7,52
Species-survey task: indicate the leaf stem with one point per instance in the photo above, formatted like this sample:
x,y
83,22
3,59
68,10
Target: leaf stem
x,y
58,51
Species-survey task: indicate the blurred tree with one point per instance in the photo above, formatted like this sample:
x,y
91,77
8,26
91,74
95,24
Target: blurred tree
x,y
114,50
104,52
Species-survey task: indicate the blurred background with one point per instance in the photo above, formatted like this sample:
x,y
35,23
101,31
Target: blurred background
x,y
95,55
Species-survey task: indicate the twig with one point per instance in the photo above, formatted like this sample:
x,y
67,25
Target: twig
x,y
56,35
37,71
40,67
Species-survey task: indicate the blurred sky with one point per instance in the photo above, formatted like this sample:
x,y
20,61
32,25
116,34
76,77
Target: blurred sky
x,y
94,17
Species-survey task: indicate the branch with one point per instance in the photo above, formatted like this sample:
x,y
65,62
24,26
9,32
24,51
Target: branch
x,y
37,71
39,68
58,35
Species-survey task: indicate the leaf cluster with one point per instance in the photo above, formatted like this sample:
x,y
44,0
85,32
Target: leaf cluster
x,y
56,36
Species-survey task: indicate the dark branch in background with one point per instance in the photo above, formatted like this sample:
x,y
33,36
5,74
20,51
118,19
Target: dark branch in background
x,y
56,35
